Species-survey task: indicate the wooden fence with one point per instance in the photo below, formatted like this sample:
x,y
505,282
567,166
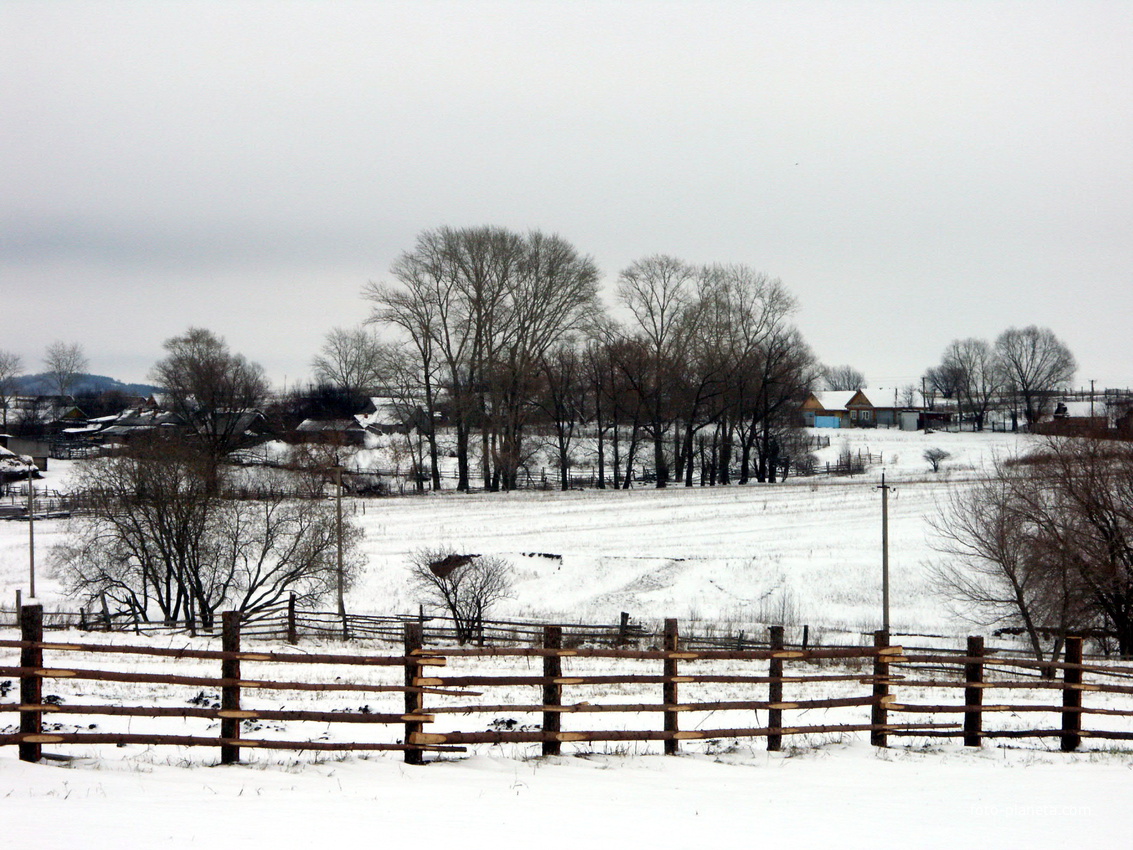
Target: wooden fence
x,y
291,623
443,694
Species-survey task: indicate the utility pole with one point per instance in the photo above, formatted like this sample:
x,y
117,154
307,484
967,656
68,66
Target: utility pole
x,y
1091,402
31,532
884,488
338,529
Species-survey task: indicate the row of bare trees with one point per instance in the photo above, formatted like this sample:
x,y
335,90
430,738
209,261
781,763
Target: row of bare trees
x,y
503,335
1023,365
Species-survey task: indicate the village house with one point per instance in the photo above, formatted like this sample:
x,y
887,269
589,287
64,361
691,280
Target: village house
x,y
868,408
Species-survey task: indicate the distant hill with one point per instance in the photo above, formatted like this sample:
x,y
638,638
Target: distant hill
x,y
42,384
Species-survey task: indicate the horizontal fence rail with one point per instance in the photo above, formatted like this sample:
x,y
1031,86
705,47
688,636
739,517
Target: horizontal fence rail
x,y
435,698
291,623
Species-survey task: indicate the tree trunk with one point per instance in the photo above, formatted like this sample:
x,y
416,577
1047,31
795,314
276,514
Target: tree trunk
x,y
462,483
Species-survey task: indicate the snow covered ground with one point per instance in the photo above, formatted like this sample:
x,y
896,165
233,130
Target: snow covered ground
x,y
804,552
846,796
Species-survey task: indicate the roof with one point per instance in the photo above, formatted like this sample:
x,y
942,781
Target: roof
x,y
385,412
834,399
893,398
328,425
1081,409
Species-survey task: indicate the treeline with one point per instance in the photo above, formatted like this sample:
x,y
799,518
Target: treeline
x,y
697,368
1022,368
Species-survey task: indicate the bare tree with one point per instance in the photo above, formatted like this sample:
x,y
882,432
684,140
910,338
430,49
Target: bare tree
x,y
481,306
555,296
65,362
160,542
216,393
1047,541
843,378
561,399
414,309
11,367
660,293
976,374
352,359
466,586
945,379
1035,363
935,457
994,569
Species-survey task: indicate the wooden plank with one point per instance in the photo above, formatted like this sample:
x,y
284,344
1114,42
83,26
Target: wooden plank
x,y
220,655
681,655
212,713
199,741
637,708
593,736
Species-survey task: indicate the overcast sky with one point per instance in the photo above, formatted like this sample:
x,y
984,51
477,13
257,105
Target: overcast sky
x,y
913,172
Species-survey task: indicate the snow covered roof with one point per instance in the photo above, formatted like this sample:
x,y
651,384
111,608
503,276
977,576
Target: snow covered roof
x,y
1081,409
895,398
12,464
834,399
386,412
325,425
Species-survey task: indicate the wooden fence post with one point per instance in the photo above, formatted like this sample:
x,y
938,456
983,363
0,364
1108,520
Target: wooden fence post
x,y
292,628
414,700
775,692
879,716
230,691
669,691
552,693
1072,697
623,629
974,694
31,686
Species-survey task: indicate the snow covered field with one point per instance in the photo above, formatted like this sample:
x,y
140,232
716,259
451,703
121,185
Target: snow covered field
x,y
804,552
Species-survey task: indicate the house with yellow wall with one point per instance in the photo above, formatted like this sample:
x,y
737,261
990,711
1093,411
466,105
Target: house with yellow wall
x,y
838,409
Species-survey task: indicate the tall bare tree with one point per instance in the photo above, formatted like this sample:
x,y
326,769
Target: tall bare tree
x,y
353,360
65,362
562,400
11,367
945,379
554,294
215,392
481,305
977,376
1035,364
660,293
414,307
